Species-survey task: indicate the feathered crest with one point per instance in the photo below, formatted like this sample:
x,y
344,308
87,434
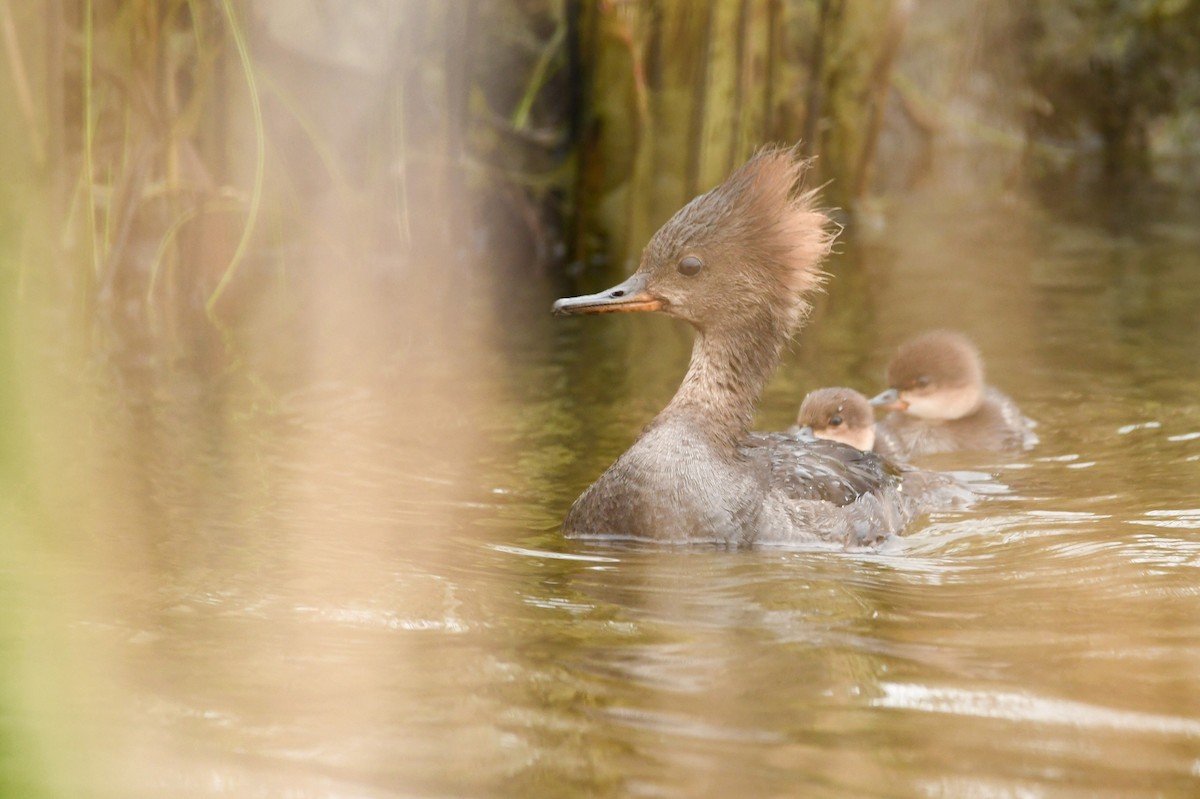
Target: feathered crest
x,y
764,219
777,205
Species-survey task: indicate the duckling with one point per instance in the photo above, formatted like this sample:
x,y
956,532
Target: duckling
x,y
940,402
843,414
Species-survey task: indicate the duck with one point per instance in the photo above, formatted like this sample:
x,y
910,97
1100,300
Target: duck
x,y
842,414
738,264
939,401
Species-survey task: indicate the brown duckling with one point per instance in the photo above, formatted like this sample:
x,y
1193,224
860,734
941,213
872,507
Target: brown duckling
x,y
940,402
843,414
736,263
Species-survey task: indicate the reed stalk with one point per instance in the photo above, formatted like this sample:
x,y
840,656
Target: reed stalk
x,y
89,136
20,77
260,138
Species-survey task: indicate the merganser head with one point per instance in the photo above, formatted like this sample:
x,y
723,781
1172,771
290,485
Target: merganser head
x,y
838,414
937,376
752,244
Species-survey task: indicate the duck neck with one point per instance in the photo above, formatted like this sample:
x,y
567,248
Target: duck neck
x,y
726,377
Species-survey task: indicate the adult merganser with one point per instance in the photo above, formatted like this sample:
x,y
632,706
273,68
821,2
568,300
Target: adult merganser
x,y
736,263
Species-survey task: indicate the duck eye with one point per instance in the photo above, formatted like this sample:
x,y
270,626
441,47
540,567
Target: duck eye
x,y
922,381
690,266
834,421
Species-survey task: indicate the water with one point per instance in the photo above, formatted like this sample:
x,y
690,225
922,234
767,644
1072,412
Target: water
x,y
330,565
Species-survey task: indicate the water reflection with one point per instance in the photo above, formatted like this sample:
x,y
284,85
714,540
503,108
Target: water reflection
x,y
330,565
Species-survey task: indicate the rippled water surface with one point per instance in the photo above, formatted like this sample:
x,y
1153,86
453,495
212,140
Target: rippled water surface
x,y
330,565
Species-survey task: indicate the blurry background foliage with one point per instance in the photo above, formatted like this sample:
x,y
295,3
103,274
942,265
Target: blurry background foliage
x,y
161,157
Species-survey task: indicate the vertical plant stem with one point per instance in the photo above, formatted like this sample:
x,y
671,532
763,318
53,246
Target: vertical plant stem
x,y
572,16
239,41
581,52
457,31
740,86
699,102
170,99
403,223
773,26
16,65
89,132
879,87
814,104
55,83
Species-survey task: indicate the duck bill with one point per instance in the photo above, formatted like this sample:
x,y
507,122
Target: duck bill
x,y
628,296
889,401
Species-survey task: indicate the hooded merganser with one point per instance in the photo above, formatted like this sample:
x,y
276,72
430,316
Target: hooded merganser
x,y
940,403
736,263
845,415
